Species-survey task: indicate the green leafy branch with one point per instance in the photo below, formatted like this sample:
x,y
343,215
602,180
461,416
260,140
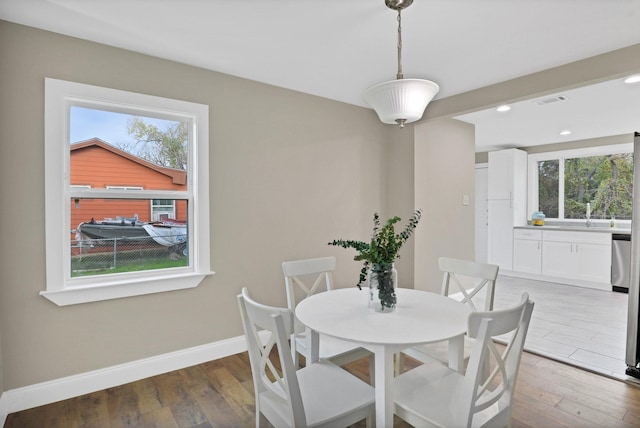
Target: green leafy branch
x,y
385,244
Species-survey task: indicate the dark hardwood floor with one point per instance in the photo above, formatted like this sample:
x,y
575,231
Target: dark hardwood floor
x,y
220,394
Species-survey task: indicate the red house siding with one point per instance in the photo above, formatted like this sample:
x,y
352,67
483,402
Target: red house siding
x,y
95,163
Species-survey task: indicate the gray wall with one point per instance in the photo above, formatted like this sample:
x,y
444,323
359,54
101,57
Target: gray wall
x,y
444,172
483,157
400,194
1,383
289,172
579,144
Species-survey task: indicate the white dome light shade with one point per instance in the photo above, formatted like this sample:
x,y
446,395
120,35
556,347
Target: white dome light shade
x,y
402,100
632,79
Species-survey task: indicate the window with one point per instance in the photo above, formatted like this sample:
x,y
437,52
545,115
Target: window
x,y
163,209
548,187
126,193
563,183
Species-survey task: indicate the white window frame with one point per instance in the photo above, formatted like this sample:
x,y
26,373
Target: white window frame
x,y
561,155
61,288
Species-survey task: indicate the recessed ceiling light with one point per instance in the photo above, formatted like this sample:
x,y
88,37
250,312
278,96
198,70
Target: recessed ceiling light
x,y
632,79
503,108
565,132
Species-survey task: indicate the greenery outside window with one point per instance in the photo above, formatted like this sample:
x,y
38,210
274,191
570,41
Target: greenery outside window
x,y
125,180
563,183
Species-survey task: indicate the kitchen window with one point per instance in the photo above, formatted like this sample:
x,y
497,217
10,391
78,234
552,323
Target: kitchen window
x,y
562,183
132,187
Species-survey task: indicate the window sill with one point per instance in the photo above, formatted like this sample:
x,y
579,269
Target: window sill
x,y
117,290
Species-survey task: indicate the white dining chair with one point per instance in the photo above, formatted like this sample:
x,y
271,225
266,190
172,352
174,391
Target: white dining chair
x,y
433,395
302,279
319,395
464,281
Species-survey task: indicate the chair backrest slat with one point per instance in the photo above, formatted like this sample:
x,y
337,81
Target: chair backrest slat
x,y
309,266
299,272
459,274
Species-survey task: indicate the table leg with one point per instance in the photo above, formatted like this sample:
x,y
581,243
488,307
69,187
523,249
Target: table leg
x,y
384,385
456,353
313,345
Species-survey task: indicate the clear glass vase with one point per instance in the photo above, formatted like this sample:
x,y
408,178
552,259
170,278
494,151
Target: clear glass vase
x,y
383,282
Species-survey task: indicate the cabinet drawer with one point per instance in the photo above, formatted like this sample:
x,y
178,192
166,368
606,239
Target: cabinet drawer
x,y
576,237
534,235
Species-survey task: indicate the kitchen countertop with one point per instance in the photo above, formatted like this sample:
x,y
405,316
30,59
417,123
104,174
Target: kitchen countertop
x,y
576,228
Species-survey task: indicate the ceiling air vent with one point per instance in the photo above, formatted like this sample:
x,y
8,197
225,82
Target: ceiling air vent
x,y
551,100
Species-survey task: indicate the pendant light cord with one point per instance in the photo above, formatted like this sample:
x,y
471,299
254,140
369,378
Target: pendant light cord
x,y
400,75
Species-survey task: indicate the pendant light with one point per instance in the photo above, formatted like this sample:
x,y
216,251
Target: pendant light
x,y
402,100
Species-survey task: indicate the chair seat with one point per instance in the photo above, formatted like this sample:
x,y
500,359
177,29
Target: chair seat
x,y
327,395
430,387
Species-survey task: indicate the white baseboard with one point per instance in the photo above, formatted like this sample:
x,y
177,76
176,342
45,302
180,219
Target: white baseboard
x,y
605,286
15,400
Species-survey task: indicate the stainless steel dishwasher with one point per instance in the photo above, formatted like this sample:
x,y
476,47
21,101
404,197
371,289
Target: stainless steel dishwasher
x,y
620,262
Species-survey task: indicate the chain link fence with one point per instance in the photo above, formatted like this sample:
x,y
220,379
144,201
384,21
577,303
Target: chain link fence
x,y
103,256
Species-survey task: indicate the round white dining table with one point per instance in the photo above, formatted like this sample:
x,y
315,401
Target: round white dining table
x,y
420,317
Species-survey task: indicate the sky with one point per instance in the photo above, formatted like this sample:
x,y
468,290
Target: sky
x,y
111,127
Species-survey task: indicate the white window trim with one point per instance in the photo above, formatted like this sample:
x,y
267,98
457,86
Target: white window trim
x,y
60,287
561,155
125,188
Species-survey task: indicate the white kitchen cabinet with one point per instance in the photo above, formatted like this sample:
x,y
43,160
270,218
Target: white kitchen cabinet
x,y
584,258
500,238
508,175
527,251
558,259
507,199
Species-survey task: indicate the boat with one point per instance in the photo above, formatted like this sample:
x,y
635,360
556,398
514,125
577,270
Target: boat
x,y
120,227
169,232
172,235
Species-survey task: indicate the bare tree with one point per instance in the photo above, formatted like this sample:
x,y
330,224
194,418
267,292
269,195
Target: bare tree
x,y
166,147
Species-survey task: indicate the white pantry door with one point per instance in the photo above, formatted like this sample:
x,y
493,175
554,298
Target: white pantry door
x,y
481,209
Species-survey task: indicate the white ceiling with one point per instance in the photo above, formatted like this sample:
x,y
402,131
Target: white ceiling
x,y
336,49
600,110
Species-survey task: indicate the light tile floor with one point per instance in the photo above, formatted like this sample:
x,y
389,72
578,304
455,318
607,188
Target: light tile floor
x,y
579,326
